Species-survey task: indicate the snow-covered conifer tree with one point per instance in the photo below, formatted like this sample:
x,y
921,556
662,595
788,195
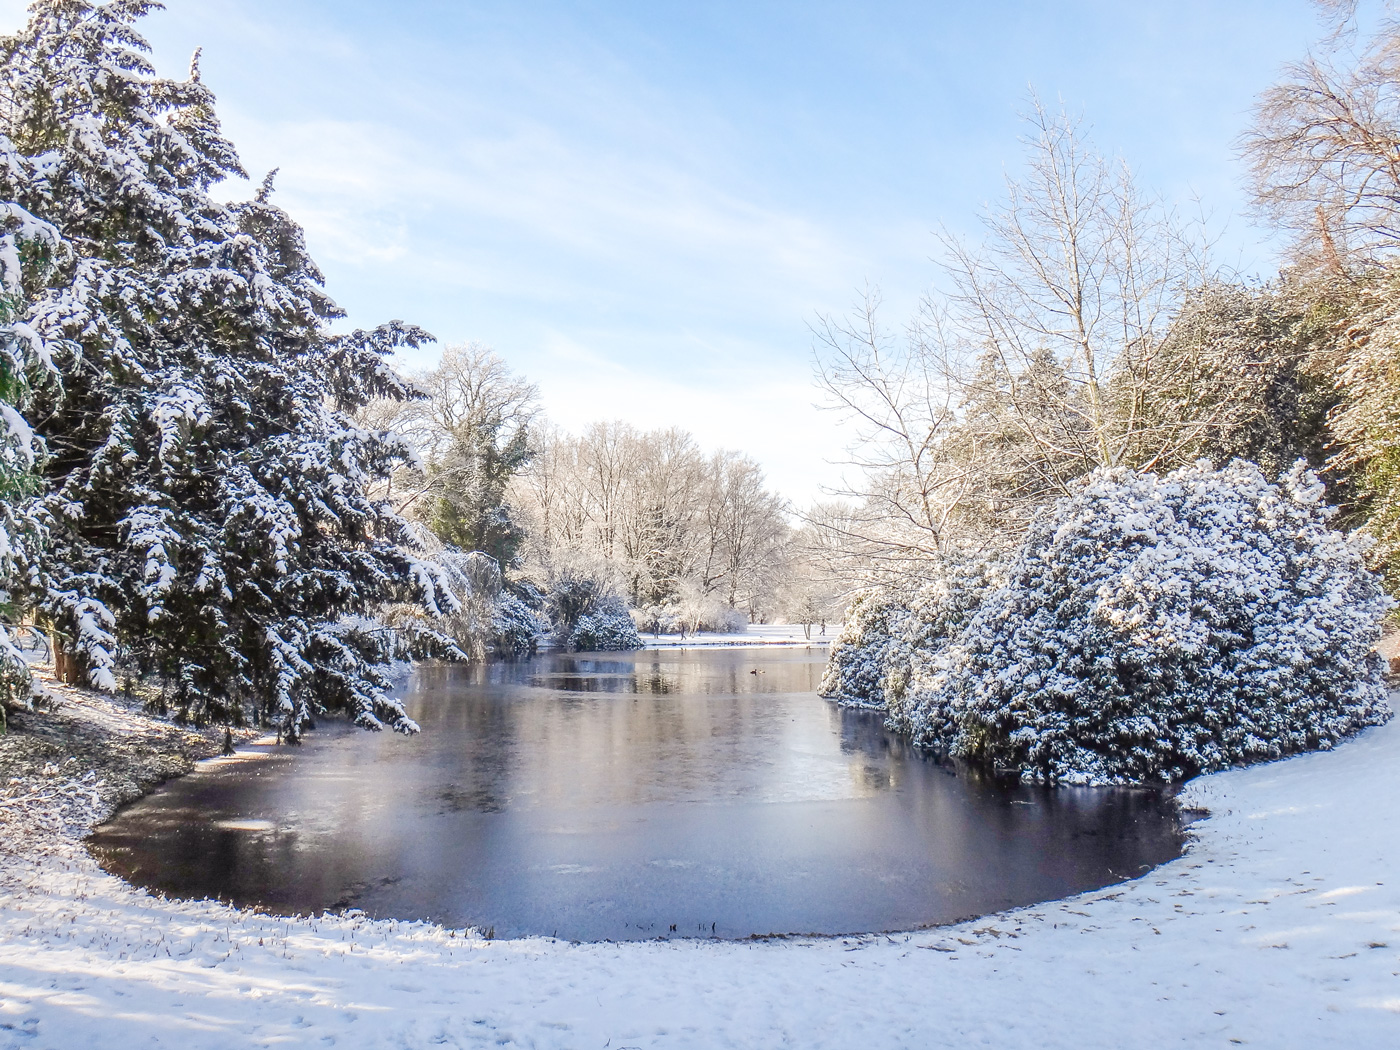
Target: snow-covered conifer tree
x,y
206,512
860,656
28,249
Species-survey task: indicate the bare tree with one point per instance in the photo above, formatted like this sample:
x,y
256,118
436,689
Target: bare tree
x,y
751,530
1078,276
897,395
470,388
1324,149
472,432
1041,360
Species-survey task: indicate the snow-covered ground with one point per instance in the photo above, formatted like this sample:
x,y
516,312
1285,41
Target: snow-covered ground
x,y
757,634
1280,927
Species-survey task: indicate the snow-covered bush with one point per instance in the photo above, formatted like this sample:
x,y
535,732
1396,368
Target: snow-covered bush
x,y
692,614
923,648
890,630
573,587
606,627
726,620
860,655
491,614
659,619
516,628
475,582
1152,628
585,607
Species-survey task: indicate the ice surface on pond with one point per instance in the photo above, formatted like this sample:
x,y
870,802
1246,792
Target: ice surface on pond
x,y
618,795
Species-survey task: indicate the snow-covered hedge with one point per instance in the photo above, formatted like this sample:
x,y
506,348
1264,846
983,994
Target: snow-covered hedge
x,y
1150,628
607,627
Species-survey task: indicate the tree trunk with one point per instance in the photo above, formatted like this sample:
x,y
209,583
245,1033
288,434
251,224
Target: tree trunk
x,y
66,667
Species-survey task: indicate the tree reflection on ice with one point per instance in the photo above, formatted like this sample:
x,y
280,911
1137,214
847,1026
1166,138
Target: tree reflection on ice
x,y
613,796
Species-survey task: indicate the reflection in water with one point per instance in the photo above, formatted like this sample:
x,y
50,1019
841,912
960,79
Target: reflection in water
x,y
614,796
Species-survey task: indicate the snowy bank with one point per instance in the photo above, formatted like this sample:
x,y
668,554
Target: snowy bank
x,y
755,634
1279,927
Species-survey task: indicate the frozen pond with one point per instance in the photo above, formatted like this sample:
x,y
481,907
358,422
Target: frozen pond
x,y
671,793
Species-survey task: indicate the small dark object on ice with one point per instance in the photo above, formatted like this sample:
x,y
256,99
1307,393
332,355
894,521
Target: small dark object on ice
x,y
757,671
228,741
673,927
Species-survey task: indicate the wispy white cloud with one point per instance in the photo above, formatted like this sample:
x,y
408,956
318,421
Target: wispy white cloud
x,y
537,214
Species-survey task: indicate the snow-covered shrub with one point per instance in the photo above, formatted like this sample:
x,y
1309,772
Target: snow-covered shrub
x,y
1155,627
517,628
475,582
573,587
923,648
607,626
889,631
692,611
491,613
729,621
660,619
711,614
859,657
587,613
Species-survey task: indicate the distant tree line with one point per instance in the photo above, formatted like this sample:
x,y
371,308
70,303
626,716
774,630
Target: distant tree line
x,y
685,539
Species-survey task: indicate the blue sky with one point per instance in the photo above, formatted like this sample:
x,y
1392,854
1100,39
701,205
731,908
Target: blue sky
x,y
643,205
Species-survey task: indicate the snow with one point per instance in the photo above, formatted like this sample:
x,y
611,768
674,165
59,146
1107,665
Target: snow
x,y
1279,927
20,435
756,634
1149,628
606,627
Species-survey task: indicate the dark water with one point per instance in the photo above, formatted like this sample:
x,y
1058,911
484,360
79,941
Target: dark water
x,y
617,796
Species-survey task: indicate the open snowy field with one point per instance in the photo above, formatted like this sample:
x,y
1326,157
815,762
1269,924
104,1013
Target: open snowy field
x,y
1279,928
